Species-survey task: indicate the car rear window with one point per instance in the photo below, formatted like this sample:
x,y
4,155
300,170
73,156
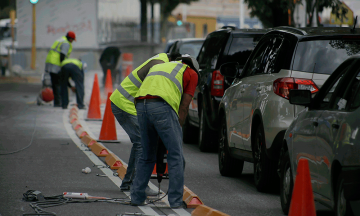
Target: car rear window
x,y
191,48
241,48
324,56
211,50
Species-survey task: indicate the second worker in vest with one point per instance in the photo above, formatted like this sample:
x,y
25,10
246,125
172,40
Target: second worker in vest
x,y
59,51
162,104
123,107
73,68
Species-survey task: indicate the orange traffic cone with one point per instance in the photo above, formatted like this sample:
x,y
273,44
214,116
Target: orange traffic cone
x,y
108,85
302,200
94,112
108,128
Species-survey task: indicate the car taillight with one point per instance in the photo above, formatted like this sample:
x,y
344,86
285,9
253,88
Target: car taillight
x,y
217,84
283,85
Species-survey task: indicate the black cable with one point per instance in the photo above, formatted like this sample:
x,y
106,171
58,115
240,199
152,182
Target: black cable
x,y
32,137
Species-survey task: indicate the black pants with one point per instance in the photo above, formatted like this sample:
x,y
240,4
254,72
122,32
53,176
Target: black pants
x,y
55,83
77,75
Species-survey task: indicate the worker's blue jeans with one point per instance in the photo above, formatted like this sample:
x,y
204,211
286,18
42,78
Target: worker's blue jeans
x,y
159,119
130,124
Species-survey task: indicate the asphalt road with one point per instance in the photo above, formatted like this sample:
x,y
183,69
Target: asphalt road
x,y
39,151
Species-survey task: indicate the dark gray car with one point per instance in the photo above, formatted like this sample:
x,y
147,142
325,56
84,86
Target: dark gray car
x,y
326,134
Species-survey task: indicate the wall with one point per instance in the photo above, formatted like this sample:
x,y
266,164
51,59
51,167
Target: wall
x,y
54,18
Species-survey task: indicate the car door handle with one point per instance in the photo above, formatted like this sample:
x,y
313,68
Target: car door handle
x,y
315,124
242,90
336,126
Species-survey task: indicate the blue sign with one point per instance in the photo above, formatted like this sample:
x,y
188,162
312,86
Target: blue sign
x,y
33,1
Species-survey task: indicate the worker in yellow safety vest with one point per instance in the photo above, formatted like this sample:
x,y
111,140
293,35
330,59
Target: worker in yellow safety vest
x,y
123,107
73,68
162,104
59,51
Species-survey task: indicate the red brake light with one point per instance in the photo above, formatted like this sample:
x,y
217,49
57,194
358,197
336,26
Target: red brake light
x,y
217,84
283,85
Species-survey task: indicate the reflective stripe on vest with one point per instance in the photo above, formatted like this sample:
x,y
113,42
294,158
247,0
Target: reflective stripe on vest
x,y
123,96
170,76
167,85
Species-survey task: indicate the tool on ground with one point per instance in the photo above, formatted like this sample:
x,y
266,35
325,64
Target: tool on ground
x,y
161,161
101,175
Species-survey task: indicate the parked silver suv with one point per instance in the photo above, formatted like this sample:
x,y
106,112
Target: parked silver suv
x,y
255,110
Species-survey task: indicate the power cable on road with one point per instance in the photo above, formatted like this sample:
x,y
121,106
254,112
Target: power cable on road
x,y
32,137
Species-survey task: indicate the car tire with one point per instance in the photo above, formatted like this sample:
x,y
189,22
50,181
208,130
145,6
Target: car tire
x,y
342,207
188,130
228,166
204,141
286,181
264,168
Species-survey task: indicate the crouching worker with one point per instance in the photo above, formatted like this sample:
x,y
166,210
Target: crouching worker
x,y
73,68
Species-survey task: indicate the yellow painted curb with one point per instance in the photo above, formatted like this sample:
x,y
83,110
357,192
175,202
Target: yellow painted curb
x,y
99,150
191,199
113,161
203,210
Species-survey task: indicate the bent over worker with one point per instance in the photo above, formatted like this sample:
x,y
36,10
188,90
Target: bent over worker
x,y
162,104
73,68
60,50
123,107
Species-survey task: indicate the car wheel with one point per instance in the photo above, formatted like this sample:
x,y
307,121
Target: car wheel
x,y
343,207
264,168
228,166
204,133
286,181
189,135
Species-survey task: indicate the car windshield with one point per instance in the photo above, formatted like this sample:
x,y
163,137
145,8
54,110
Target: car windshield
x,y
241,49
313,56
191,48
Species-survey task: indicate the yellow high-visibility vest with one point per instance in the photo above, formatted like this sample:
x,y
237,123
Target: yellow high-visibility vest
x,y
166,81
76,62
53,57
123,96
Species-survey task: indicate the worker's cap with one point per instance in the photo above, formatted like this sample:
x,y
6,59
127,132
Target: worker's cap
x,y
71,34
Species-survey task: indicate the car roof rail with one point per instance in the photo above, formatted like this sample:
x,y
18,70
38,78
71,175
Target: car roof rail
x,y
292,29
228,27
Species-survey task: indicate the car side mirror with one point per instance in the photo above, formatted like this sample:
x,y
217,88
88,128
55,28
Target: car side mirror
x,y
230,69
300,97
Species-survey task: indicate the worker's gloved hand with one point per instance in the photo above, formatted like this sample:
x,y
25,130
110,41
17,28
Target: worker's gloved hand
x,y
73,89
